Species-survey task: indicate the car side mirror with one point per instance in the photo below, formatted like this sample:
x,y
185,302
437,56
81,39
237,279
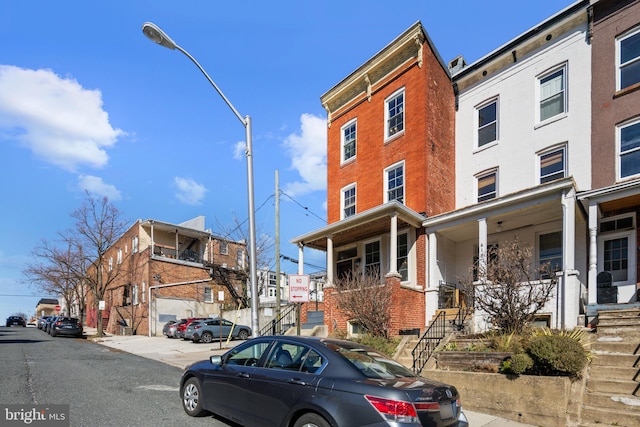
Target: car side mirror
x,y
215,359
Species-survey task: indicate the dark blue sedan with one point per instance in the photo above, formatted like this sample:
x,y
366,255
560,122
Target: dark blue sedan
x,y
315,382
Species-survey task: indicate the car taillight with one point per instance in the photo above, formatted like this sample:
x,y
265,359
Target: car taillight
x,y
394,410
197,327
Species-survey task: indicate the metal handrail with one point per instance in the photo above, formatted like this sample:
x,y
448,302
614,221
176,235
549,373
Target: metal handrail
x,y
276,325
428,342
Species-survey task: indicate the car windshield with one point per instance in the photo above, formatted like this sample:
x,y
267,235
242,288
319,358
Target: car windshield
x,y
371,363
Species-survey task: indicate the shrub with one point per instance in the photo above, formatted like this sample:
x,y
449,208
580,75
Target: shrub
x,y
517,364
504,342
383,345
557,355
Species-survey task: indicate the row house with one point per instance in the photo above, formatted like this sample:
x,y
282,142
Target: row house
x,y
158,271
431,167
613,202
390,164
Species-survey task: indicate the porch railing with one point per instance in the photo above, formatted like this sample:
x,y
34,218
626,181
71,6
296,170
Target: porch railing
x,y
428,342
281,323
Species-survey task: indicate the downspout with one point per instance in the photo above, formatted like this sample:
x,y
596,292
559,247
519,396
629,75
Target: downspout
x,y
166,285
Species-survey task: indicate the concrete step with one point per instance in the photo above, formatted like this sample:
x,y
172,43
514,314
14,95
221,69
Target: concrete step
x,y
611,359
620,402
595,416
608,314
626,329
620,346
613,386
614,372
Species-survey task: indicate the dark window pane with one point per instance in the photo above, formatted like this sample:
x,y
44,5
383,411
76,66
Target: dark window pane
x,y
630,48
630,164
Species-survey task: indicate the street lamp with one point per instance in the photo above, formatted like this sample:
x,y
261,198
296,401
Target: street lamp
x,y
155,34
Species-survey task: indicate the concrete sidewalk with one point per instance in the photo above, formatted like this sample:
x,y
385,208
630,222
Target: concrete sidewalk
x,y
181,353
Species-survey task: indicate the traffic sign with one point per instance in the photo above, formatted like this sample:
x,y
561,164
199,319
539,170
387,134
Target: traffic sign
x,y
298,288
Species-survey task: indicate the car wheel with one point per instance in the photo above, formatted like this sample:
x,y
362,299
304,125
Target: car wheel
x,y
207,337
243,334
53,334
311,420
192,398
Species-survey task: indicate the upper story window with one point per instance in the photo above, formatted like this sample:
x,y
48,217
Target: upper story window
x,y
134,244
348,201
394,114
224,248
553,100
110,263
487,186
272,279
240,259
629,149
553,165
394,182
348,135
488,123
628,59
208,294
119,256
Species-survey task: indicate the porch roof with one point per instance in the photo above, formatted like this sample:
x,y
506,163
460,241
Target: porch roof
x,y
535,205
613,198
175,228
372,222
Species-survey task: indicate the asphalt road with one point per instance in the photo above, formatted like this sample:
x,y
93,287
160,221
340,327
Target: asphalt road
x,y
103,386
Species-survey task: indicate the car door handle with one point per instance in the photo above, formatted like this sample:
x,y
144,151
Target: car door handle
x,y
242,375
297,381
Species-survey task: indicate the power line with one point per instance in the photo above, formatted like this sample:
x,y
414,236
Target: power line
x,y
303,207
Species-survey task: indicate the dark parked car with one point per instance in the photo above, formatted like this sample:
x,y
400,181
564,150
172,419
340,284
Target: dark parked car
x,y
182,327
208,330
315,382
48,323
15,320
42,321
66,326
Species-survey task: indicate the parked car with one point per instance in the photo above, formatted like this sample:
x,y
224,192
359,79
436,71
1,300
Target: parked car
x,y
311,381
219,329
49,322
167,326
42,321
182,327
15,321
66,326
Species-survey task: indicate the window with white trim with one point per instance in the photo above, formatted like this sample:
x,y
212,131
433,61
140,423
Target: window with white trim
x,y
119,259
224,247
628,59
487,123
134,244
110,263
403,256
616,248
550,250
240,259
348,136
553,100
372,257
134,295
208,294
628,137
553,164
487,185
348,197
394,182
394,114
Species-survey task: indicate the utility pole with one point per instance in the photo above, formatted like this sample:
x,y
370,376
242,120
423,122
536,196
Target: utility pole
x,y
277,254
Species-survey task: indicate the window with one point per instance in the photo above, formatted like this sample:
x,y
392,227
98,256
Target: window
x,y
224,247
488,123
126,295
628,59
208,294
402,255
134,244
552,165
348,135
272,279
616,243
395,183
119,256
246,354
550,250
144,292
348,201
487,186
135,294
240,259
552,94
372,258
629,137
394,114
110,263
347,263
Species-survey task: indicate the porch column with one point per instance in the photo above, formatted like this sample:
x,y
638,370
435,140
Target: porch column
x,y
570,290
482,249
393,247
300,258
593,253
432,276
330,262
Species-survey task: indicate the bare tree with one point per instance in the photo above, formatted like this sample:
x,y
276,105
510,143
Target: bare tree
x,y
365,299
98,226
510,288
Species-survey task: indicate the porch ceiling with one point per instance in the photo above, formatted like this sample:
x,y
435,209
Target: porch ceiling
x,y
620,204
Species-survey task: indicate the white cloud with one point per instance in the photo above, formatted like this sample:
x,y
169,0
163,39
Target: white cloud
x,y
308,153
96,185
189,192
56,118
240,150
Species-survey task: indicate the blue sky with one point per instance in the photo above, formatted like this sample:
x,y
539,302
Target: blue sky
x,y
88,103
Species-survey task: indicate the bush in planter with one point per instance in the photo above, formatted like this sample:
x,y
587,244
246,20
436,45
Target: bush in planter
x,y
557,355
517,364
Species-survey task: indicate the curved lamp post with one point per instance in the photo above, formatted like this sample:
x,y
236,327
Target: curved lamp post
x,y
155,34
